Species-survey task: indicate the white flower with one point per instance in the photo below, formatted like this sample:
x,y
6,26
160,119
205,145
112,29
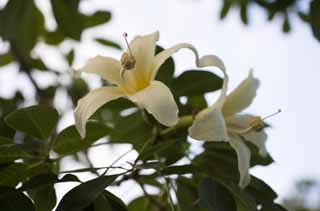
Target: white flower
x,y
133,77
221,122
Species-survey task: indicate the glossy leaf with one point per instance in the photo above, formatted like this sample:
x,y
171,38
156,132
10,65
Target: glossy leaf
x,y
69,141
85,194
37,121
196,82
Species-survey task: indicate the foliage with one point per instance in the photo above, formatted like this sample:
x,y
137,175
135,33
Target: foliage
x,y
284,9
31,148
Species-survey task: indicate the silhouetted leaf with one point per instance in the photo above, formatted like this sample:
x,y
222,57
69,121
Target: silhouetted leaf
x,y
44,198
37,121
225,8
85,194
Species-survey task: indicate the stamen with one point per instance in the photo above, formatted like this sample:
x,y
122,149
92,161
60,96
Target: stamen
x,y
126,40
271,115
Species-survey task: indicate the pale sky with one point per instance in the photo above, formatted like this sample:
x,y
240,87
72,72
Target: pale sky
x,y
287,65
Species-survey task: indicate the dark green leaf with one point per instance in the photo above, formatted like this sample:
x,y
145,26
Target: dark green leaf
x,y
187,194
44,198
37,121
166,71
244,11
148,203
108,43
12,174
11,200
85,194
114,202
53,38
315,18
12,152
4,140
196,82
131,129
17,17
70,57
215,197
68,17
286,25
225,8
69,141
183,169
5,59
97,18
304,17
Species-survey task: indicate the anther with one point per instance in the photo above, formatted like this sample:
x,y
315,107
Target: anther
x,y
127,59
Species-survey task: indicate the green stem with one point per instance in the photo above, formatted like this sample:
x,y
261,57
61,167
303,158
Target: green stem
x,y
184,121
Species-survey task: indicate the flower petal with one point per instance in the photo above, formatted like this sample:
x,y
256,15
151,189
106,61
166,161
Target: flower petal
x,y
209,125
243,155
90,103
241,122
107,67
143,50
158,100
205,61
242,96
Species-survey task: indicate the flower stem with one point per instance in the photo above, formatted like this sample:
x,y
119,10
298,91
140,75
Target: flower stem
x,y
184,121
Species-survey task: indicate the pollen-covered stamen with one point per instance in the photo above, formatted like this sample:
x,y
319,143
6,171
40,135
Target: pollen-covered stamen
x,y
127,59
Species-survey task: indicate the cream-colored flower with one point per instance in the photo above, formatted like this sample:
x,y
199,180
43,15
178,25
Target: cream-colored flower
x,y
221,122
133,77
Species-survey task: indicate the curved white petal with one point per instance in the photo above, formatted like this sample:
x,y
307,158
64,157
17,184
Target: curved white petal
x,y
107,67
205,61
241,122
91,103
143,50
158,100
209,125
243,155
242,96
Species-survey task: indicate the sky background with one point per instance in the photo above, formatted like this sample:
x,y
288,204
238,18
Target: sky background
x,y
287,65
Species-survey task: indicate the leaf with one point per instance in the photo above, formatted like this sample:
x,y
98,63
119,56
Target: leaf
x,y
166,71
54,37
108,43
131,129
225,8
70,57
315,18
286,25
99,17
148,203
183,169
44,198
243,199
5,59
12,152
69,141
109,202
244,11
84,194
17,17
37,121
187,194
68,17
4,141
11,200
196,82
12,174
215,197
